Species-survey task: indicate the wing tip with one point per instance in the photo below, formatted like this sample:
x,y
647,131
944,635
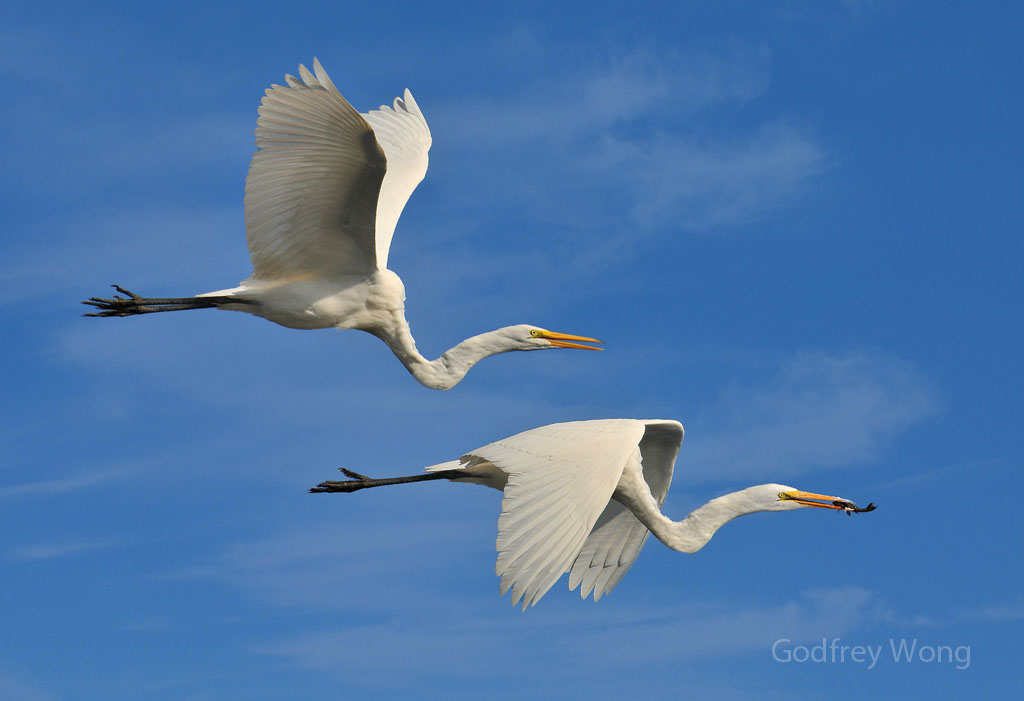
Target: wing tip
x,y
315,79
321,75
410,103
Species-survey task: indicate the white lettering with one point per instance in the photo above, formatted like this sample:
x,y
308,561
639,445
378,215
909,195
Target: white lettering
x,y
875,652
788,653
817,649
903,652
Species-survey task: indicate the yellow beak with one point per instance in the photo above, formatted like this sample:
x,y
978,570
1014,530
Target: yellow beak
x,y
564,340
822,501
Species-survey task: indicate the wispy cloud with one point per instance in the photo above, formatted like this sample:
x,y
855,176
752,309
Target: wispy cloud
x,y
582,101
818,411
997,613
861,9
1009,612
155,247
312,565
66,484
57,550
572,644
934,474
737,629
676,179
11,687
633,144
381,591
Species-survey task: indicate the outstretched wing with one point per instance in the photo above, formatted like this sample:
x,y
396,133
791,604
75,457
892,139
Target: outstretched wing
x,y
560,478
311,193
403,134
618,536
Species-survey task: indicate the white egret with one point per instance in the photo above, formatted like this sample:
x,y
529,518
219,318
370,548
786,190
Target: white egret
x,y
582,497
325,189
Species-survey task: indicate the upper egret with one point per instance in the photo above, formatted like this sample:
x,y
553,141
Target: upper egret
x,y
324,192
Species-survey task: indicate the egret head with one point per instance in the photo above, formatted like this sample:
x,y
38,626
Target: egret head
x,y
536,338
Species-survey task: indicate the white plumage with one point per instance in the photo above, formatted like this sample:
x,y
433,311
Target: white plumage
x,y
582,497
325,190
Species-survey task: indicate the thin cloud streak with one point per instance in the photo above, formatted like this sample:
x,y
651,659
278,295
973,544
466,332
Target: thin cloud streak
x,y
629,132
68,484
926,476
155,247
569,106
11,687
311,565
52,552
996,613
818,412
675,180
619,640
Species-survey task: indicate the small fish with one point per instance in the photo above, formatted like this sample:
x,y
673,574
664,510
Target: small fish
x,y
850,508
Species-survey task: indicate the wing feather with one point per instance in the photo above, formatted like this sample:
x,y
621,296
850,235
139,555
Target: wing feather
x,y
403,134
560,479
312,189
618,536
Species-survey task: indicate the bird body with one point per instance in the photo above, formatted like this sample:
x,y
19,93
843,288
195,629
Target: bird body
x,y
583,496
373,302
325,189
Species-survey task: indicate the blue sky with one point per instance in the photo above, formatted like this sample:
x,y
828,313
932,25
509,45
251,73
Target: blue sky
x,y
797,227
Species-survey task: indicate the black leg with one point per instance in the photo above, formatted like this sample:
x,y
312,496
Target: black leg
x,y
132,304
362,481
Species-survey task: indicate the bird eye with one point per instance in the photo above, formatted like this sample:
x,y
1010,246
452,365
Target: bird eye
x,y
535,332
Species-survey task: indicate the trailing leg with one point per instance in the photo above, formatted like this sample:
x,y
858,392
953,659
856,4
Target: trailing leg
x,y
362,481
132,304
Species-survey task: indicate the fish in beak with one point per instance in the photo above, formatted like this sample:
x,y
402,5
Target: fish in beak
x,y
823,501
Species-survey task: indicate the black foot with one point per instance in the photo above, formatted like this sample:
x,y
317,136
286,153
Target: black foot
x,y
358,482
118,306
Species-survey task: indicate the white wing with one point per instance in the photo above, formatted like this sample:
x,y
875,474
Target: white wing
x,y
618,536
311,193
403,134
560,478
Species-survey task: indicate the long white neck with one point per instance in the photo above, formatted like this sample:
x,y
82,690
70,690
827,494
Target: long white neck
x,y
454,363
693,532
